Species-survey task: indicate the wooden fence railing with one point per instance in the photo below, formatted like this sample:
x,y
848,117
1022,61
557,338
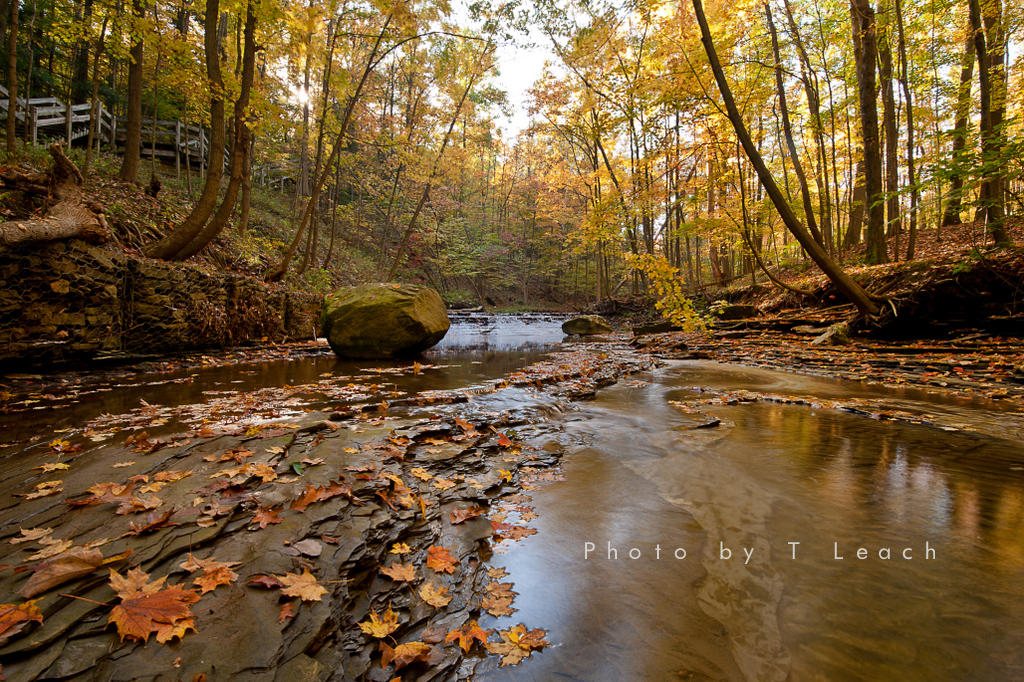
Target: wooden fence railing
x,y
167,141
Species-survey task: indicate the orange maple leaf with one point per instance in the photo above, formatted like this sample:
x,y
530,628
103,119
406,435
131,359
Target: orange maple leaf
x,y
149,608
380,626
405,654
266,516
466,635
303,586
400,572
435,595
14,617
439,559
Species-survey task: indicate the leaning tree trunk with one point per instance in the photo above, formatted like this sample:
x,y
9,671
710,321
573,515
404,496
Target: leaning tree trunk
x,y
240,146
177,239
846,284
68,214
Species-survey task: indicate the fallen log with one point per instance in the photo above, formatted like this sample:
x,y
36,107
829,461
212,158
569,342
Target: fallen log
x,y
67,213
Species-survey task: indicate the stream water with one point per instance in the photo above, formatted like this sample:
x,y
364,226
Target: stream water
x,y
638,477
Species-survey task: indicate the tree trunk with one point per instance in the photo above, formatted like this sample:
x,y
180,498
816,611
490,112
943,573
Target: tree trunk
x,y
239,147
866,54
951,214
892,177
133,126
12,81
178,238
780,88
915,193
94,97
846,285
994,139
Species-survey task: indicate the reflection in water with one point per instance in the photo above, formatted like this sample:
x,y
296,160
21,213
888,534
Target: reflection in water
x,y
468,354
774,474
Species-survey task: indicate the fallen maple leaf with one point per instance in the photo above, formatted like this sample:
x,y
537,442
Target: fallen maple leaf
x,y
149,608
51,548
380,626
435,595
496,573
516,644
497,606
266,516
439,559
31,535
400,572
462,515
304,586
215,574
501,590
45,488
503,441
442,483
64,567
52,466
421,473
466,634
397,548
404,654
14,618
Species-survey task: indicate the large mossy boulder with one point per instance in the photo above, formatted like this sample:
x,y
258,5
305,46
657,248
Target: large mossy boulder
x,y
383,320
586,325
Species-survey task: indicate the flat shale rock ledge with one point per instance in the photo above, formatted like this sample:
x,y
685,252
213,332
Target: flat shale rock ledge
x,y
384,320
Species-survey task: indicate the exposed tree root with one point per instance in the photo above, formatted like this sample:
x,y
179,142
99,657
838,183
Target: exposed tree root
x,y
68,214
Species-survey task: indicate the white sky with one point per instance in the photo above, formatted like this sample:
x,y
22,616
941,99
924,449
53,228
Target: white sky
x,y
519,67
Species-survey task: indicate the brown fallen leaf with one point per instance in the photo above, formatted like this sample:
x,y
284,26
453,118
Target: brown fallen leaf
x,y
497,606
267,582
45,488
288,610
380,626
149,608
266,516
439,559
14,618
153,522
51,548
215,574
501,590
462,515
304,586
496,573
400,572
72,564
516,644
404,654
466,635
442,483
30,535
435,595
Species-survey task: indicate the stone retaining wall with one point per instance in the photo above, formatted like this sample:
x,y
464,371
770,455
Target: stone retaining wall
x,y
71,300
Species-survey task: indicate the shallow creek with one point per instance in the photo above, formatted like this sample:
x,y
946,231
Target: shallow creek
x,y
715,591
638,476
